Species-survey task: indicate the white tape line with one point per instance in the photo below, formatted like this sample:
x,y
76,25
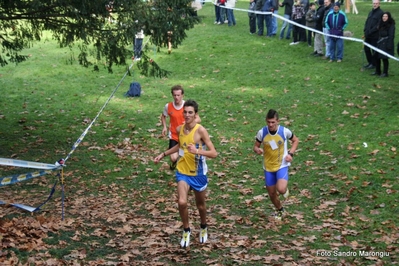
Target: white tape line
x,y
314,30
26,164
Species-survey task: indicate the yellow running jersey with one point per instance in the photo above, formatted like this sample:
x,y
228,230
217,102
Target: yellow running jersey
x,y
190,164
274,148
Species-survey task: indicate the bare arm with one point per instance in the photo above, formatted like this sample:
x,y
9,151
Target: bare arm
x,y
294,145
166,153
257,148
164,129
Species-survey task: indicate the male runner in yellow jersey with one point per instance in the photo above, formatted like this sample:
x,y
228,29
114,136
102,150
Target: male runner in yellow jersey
x,y
194,146
174,110
276,157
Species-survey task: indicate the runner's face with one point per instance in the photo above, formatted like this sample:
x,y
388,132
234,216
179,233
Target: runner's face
x,y
177,97
272,123
189,114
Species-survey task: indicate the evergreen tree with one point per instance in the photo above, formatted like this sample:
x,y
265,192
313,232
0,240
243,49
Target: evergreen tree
x,y
104,30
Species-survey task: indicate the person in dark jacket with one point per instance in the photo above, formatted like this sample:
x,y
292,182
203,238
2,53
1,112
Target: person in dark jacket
x,y
287,15
328,6
298,12
318,37
386,40
268,7
252,17
311,21
371,32
260,18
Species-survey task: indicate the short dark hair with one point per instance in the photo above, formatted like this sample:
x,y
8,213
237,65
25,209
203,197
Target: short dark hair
x,y
191,103
177,88
312,4
272,114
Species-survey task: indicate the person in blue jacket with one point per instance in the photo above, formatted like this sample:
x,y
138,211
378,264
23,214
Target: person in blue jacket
x,y
336,22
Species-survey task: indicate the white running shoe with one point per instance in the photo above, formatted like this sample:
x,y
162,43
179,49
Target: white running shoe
x,y
203,235
286,194
185,241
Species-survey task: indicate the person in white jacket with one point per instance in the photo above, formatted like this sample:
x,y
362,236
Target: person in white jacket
x,y
230,4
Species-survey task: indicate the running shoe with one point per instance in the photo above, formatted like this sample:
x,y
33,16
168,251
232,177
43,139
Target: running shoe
x,y
279,214
286,194
203,236
185,241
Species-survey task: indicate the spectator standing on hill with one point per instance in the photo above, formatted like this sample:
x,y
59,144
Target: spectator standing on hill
x,y
252,17
138,45
318,37
268,7
220,12
223,11
194,146
302,31
386,41
371,32
336,22
272,142
311,21
230,4
260,18
287,15
327,8
276,5
264,19
298,12
110,7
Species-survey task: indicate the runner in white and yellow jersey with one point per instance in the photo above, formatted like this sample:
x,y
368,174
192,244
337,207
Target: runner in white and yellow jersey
x,y
194,146
276,157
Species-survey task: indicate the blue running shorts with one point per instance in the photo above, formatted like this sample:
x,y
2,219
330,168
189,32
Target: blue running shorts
x,y
197,183
272,177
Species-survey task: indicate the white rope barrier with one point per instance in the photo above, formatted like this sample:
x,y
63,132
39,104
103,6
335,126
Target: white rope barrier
x,y
311,29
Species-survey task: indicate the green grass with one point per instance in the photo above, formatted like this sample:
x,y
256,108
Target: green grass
x,y
120,207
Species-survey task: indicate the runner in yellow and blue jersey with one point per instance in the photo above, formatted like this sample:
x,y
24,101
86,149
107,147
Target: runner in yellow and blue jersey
x,y
174,110
194,146
276,157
